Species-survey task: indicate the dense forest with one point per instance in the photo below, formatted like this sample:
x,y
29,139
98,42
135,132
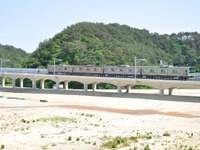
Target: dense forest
x,y
114,44
14,55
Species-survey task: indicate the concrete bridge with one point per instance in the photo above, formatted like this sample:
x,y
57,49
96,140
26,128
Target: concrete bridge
x,y
85,80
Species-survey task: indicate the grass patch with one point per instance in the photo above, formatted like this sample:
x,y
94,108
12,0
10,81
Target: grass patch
x,y
116,142
134,139
58,118
42,136
53,145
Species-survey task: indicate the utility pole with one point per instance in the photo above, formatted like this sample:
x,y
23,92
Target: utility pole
x,y
139,60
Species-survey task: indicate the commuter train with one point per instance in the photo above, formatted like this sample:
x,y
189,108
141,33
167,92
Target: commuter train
x,y
126,71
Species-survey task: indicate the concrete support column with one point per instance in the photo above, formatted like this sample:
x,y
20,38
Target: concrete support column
x,y
66,85
33,84
161,91
94,86
170,91
128,88
119,89
13,82
57,85
85,87
21,83
3,82
42,83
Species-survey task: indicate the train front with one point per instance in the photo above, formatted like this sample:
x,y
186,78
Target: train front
x,y
192,72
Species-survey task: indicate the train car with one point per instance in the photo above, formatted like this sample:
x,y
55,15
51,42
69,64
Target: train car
x,y
122,71
168,72
60,69
87,70
76,69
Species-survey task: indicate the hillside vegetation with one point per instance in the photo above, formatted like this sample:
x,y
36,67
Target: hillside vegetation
x,y
114,44
15,55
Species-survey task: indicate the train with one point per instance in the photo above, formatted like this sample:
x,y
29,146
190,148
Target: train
x,y
126,71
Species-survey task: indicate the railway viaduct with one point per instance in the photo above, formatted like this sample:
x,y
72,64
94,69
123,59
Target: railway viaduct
x,y
85,80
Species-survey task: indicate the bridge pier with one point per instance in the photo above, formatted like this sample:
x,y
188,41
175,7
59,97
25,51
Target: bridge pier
x,y
42,83
3,81
21,82
33,84
119,89
13,82
66,84
161,91
57,85
170,91
128,88
94,86
85,87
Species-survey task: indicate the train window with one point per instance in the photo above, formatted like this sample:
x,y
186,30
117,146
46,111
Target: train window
x,y
163,71
112,69
73,68
152,70
121,70
143,70
95,69
87,69
80,68
130,70
192,70
175,71
185,71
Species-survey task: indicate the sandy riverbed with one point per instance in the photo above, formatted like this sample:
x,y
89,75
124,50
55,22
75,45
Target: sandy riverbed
x,y
78,120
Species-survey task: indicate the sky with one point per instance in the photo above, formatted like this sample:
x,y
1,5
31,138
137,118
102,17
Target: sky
x,y
26,23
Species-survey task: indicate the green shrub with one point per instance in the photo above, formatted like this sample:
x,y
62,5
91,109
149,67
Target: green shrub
x,y
53,145
147,148
69,138
2,146
166,134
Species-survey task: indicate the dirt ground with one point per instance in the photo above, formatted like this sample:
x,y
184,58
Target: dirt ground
x,y
99,120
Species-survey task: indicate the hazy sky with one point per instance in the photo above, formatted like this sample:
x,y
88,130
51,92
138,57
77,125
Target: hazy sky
x,y
25,23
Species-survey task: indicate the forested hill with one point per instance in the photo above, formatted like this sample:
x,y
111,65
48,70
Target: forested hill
x,y
15,55
114,44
